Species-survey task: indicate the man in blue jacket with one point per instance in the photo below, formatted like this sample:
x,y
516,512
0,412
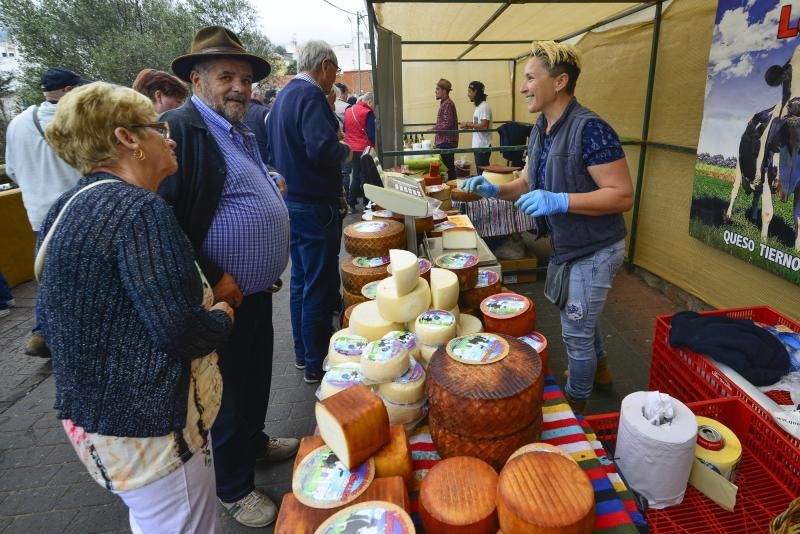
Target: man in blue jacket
x,y
305,149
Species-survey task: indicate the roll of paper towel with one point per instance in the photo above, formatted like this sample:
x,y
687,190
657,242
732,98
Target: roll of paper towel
x,y
656,460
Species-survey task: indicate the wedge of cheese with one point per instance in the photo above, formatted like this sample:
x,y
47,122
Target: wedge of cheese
x,y
444,289
405,271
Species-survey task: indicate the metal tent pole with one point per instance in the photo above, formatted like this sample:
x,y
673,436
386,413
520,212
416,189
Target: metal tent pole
x,y
375,92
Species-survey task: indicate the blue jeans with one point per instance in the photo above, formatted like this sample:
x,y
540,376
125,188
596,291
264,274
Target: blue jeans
x,y
314,244
245,362
589,281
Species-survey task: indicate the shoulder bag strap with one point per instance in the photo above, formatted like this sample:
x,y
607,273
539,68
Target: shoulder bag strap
x,y
38,263
37,123
356,119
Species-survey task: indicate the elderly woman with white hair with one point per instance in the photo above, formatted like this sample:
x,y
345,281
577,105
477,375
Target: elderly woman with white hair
x,y
359,133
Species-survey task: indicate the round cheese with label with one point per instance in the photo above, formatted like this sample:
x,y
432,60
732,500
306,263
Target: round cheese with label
x,y
375,517
406,389
508,313
358,271
370,290
322,481
409,340
403,414
345,347
366,321
468,324
435,327
488,284
338,378
384,360
402,308
374,238
539,344
541,447
463,265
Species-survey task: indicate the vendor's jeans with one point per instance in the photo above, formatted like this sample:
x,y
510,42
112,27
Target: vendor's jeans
x,y
314,244
589,282
481,160
183,501
449,160
356,190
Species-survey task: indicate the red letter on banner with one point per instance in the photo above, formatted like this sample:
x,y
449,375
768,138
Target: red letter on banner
x,y
784,31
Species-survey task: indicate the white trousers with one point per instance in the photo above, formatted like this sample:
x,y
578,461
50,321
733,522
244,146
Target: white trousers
x,y
182,502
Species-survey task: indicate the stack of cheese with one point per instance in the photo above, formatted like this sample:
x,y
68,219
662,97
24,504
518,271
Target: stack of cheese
x,y
485,395
508,313
358,272
488,284
357,458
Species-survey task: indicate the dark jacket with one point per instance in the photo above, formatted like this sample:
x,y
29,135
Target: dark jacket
x,y
194,191
122,306
254,118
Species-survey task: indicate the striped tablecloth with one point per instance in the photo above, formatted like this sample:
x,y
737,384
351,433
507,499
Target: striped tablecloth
x,y
492,217
616,511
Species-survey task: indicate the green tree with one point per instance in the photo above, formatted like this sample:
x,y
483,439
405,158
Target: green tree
x,y
6,91
112,40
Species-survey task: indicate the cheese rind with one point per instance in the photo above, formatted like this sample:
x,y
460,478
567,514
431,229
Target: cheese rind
x,y
406,389
402,308
384,360
405,271
394,459
435,327
374,238
366,321
444,289
354,424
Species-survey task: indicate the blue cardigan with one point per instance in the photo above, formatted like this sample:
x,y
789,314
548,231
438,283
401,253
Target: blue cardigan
x,y
303,145
122,309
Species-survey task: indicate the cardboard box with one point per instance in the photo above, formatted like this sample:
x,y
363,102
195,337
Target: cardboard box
x,y
519,271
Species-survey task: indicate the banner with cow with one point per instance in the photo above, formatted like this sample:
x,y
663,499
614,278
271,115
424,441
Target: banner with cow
x,y
746,196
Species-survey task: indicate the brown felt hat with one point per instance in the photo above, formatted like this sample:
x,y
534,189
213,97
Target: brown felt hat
x,y
218,42
444,84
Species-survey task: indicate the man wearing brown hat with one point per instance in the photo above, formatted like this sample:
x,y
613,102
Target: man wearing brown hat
x,y
446,119
230,207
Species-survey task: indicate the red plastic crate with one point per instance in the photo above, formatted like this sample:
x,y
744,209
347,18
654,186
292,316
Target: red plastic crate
x,y
689,376
768,475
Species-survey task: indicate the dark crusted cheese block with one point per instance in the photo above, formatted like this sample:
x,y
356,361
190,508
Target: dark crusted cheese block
x,y
487,285
374,238
359,271
508,313
485,401
458,496
464,265
494,451
354,423
394,459
296,518
541,492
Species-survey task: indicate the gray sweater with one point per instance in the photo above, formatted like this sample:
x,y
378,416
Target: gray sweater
x,y
121,301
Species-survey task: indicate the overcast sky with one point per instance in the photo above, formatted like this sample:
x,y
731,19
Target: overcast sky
x,y
286,20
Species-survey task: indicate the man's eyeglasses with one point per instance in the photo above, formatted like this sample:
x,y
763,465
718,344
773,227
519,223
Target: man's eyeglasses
x,y
161,127
336,66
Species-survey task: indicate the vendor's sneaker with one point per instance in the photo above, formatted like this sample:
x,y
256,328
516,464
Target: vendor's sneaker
x,y
4,310
37,346
279,449
254,510
310,376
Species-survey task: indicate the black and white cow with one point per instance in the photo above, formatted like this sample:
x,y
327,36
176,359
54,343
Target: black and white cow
x,y
769,151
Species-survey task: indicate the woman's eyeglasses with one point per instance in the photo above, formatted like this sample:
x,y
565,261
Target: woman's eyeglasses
x,y
161,127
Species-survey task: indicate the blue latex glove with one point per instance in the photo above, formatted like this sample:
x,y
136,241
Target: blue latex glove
x,y
538,203
480,186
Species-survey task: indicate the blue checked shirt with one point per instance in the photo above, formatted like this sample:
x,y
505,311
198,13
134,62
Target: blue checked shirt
x,y
249,236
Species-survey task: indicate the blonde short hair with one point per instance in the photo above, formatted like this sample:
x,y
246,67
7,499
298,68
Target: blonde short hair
x,y
559,58
82,131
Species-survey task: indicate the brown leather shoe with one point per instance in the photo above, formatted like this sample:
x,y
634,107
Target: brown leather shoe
x,y
37,346
578,406
602,378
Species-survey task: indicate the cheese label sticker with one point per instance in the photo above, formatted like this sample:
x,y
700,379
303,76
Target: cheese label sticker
x,y
414,374
350,345
534,340
437,319
505,305
442,226
457,260
370,290
324,479
478,349
408,339
383,350
368,520
343,376
371,227
486,278
436,188
424,265
369,263
382,214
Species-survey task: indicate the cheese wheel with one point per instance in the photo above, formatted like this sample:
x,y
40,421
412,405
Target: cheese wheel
x,y
405,308
394,459
297,518
423,224
494,451
486,401
381,214
459,239
405,271
365,321
459,195
370,290
374,238
356,272
427,352
439,216
354,424
498,178
444,289
468,324
403,414
352,298
456,312
457,496
541,447
345,347
407,388
542,492
322,480
435,327
487,285
508,313
463,265
384,360
539,343
346,315
382,518
338,378
408,339
439,192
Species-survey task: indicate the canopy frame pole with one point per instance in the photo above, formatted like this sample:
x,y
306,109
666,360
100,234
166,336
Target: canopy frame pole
x,y
375,93
513,88
651,76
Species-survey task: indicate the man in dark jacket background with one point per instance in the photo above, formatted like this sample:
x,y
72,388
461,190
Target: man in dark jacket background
x,y
255,118
233,212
